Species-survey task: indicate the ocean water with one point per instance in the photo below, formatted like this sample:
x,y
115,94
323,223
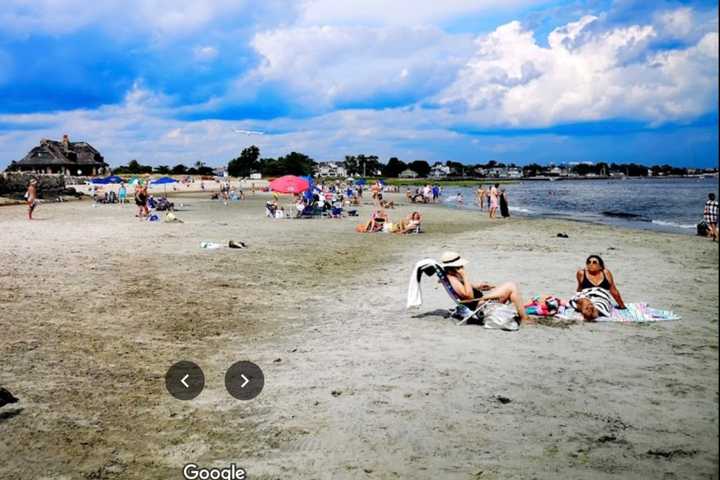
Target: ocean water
x,y
668,205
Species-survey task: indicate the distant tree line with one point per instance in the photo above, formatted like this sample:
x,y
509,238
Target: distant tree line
x,y
134,168
249,162
294,163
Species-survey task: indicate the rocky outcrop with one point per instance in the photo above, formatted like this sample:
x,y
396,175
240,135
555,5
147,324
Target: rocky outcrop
x,y
13,184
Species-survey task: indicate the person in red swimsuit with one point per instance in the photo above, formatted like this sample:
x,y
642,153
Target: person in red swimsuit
x,y
596,275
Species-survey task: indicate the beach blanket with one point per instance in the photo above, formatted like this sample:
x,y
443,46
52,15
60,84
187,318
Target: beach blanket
x,y
639,312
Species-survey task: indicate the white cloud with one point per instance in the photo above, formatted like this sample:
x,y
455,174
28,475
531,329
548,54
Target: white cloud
x,y
583,75
206,53
326,66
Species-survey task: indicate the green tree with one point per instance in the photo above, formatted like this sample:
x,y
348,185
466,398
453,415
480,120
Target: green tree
x,y
393,168
532,170
421,167
363,165
457,169
351,165
179,169
163,169
246,163
292,164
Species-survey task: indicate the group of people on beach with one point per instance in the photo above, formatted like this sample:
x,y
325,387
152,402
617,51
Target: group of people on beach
x,y
596,291
425,194
495,198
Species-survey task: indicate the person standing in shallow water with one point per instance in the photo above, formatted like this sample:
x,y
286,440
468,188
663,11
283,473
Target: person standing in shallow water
x,y
493,204
31,196
480,197
504,209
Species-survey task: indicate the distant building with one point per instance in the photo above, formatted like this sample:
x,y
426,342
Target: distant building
x,y
407,173
514,172
440,171
330,169
65,157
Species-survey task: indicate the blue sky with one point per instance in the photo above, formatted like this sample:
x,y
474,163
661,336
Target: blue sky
x,y
517,81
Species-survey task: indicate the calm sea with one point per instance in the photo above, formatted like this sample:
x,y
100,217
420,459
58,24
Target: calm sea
x,y
668,205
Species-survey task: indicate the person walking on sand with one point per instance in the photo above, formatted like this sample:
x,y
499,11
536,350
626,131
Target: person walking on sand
x,y
493,204
710,215
31,196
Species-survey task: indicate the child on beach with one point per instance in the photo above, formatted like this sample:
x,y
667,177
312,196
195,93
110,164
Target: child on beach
x,y
122,194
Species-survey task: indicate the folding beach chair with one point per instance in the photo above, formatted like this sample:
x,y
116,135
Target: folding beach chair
x,y
461,312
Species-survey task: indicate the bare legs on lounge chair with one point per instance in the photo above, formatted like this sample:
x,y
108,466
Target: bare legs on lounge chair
x,y
508,292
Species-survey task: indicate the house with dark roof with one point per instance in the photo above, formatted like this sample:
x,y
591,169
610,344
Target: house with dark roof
x,y
65,157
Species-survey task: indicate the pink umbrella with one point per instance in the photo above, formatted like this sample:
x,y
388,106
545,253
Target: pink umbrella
x,y
289,184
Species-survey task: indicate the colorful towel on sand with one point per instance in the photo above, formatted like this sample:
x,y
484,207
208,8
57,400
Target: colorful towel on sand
x,y
639,312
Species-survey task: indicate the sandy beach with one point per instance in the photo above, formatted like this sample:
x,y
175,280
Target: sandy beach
x,y
96,305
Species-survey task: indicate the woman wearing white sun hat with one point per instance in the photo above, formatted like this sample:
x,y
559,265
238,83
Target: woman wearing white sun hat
x,y
454,266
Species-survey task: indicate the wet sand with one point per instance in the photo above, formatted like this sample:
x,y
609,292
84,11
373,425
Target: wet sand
x,y
95,305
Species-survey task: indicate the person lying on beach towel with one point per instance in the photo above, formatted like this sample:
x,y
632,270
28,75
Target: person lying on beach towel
x,y
454,266
593,303
596,275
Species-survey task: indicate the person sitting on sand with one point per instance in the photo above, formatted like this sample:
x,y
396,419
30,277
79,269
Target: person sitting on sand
x,y
595,275
377,221
409,224
388,204
479,293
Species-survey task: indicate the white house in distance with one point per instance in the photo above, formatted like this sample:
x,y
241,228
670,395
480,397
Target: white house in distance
x,y
330,169
407,173
440,171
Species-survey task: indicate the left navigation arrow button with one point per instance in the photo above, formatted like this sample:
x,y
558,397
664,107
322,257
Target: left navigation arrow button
x,y
185,380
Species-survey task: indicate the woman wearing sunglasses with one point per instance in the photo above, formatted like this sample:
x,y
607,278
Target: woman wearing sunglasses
x,y
595,275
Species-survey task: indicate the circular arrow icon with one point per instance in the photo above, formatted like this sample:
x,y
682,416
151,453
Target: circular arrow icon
x,y
244,380
185,380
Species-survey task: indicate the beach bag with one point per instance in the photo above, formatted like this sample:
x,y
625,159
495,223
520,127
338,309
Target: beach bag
x,y
702,229
499,316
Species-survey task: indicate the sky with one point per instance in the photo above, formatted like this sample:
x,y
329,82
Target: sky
x,y
181,81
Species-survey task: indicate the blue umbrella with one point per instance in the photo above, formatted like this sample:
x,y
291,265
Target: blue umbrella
x,y
163,181
114,179
99,181
360,181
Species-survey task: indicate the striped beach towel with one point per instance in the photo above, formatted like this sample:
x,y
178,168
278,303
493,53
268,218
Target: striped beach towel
x,y
639,312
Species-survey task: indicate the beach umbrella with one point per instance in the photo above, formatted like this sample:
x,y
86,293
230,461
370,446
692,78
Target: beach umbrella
x,y
360,181
163,181
99,181
289,184
114,179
